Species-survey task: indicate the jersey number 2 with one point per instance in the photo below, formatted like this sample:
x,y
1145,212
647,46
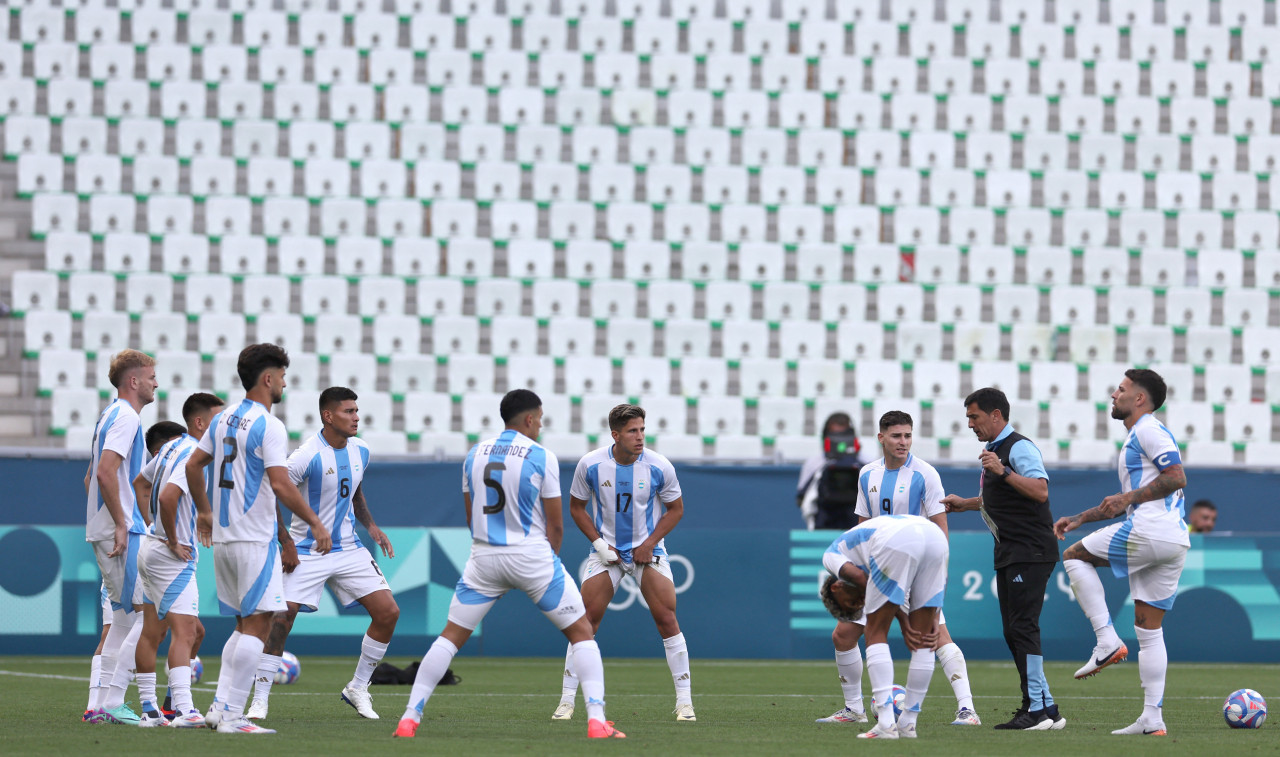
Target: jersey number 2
x,y
496,485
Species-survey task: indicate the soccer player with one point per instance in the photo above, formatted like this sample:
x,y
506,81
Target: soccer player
x,y
330,467
635,502
115,527
511,490
1149,546
899,484
248,448
873,568
167,566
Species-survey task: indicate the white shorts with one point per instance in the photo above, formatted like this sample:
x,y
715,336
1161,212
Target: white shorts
x,y
106,606
619,570
120,573
248,575
862,617
534,569
1153,567
351,573
912,564
169,583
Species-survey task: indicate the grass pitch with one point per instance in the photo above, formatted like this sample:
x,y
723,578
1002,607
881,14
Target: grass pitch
x,y
503,706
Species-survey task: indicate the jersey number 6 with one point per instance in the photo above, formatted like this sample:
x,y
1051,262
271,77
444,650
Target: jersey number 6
x,y
496,485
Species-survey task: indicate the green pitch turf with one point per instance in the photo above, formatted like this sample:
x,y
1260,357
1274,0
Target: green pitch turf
x,y
503,706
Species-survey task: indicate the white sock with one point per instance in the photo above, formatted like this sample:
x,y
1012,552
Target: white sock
x,y
1093,600
849,663
147,691
111,653
265,675
1153,663
245,660
125,662
434,664
957,672
95,683
569,684
678,662
918,674
224,673
590,669
880,671
371,653
180,689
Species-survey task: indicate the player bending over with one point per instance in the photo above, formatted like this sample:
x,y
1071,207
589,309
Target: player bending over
x,y
167,565
247,446
329,467
511,488
1149,546
898,484
874,567
624,483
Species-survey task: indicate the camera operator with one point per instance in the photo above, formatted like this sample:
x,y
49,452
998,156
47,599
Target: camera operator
x,y
828,486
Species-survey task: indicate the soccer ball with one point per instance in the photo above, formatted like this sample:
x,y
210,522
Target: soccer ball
x,y
1245,709
899,699
289,668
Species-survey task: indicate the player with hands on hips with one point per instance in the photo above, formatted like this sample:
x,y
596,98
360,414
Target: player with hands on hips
x,y
626,487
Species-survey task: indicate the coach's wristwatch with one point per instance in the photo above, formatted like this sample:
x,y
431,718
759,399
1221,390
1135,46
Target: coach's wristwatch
x,y
1007,472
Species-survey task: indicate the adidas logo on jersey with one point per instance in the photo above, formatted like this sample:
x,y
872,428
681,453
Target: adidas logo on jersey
x,y
608,484
329,472
874,489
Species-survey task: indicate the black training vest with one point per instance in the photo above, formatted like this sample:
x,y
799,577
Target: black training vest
x,y
1025,527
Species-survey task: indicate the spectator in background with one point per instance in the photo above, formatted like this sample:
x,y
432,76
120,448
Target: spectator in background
x,y
828,488
1203,517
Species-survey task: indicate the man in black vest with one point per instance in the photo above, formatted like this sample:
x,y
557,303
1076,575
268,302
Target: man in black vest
x,y
1014,501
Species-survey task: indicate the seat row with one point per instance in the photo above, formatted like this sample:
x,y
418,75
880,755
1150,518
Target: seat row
x,y
588,260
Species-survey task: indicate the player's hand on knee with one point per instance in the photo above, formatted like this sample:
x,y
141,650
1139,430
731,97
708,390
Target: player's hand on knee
x,y
606,553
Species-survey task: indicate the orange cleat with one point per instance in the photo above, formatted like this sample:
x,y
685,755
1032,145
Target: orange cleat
x,y
603,729
407,729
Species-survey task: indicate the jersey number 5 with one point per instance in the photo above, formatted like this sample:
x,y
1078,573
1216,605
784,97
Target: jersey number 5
x,y
496,485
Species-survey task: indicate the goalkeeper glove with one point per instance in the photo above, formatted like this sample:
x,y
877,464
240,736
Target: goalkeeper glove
x,y
605,554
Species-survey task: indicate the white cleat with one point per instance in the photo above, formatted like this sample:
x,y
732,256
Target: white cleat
x,y
846,716
1142,728
153,719
257,710
192,719
214,716
563,712
966,716
684,713
907,731
242,725
880,732
359,699
1101,658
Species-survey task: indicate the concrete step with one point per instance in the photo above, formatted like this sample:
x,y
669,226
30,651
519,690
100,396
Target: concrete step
x,y
18,425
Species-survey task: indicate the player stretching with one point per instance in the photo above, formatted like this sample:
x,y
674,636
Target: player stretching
x,y
330,467
511,489
899,484
1149,546
246,445
115,526
874,567
167,565
624,483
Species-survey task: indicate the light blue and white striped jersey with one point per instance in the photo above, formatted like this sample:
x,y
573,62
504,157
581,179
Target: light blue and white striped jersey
x,y
1148,450
624,498
120,430
244,441
507,477
169,466
328,478
860,544
913,489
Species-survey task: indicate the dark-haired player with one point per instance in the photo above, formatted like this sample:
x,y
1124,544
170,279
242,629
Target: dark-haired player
x,y
329,468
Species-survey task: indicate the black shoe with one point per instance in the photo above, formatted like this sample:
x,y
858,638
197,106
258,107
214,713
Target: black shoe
x,y
1025,721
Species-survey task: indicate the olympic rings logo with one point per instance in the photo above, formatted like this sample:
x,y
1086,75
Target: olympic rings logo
x,y
631,588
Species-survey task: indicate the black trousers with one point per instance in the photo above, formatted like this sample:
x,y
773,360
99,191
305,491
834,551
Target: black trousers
x,y
1020,589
